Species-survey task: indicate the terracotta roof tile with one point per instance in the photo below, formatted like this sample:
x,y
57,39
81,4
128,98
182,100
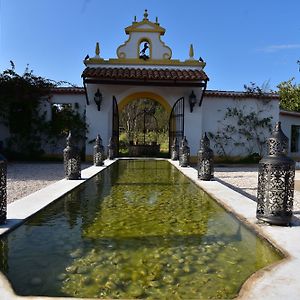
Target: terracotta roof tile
x,y
144,74
68,90
235,94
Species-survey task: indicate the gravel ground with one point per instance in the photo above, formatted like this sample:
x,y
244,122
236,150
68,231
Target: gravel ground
x,y
26,178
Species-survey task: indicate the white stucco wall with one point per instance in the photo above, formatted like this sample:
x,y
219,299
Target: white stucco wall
x,y
158,50
207,118
101,121
286,125
214,109
78,104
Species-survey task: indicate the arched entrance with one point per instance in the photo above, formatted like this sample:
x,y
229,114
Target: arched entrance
x,y
149,95
144,125
147,130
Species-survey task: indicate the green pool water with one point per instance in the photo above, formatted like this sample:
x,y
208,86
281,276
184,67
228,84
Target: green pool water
x,y
140,229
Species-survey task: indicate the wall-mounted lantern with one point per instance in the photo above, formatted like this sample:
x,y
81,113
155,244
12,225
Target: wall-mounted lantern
x,y
175,150
98,99
111,149
192,100
3,195
275,192
205,160
184,153
98,152
72,164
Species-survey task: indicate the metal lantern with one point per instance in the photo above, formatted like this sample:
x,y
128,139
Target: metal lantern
x,y
111,149
72,160
98,152
3,198
184,153
205,160
192,101
175,150
98,99
275,191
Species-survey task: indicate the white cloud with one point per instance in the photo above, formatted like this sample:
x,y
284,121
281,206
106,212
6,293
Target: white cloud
x,y
275,48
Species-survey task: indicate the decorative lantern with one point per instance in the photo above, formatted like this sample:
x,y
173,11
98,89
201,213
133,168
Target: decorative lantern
x,y
98,152
184,153
192,101
3,198
275,191
175,150
98,99
205,160
111,149
72,160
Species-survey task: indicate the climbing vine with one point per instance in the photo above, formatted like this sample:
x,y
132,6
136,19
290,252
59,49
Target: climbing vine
x,y
24,116
243,131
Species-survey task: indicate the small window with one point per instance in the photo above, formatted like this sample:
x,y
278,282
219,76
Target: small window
x,y
144,50
295,135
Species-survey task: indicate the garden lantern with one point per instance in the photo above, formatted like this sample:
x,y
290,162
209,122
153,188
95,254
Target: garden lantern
x,y
3,199
98,152
98,99
111,149
175,150
205,160
192,101
184,153
72,160
275,191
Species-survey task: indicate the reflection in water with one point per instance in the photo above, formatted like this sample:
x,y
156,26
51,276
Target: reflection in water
x,y
139,229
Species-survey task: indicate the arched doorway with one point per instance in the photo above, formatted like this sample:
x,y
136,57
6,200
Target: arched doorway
x,y
144,125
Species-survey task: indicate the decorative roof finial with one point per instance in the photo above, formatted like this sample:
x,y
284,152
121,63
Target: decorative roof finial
x,y
156,20
146,14
134,19
97,50
191,53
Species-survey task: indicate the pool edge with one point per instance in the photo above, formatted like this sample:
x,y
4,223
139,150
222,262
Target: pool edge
x,y
276,281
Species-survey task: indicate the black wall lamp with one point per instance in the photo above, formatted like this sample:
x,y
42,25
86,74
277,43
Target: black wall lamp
x,y
98,99
192,100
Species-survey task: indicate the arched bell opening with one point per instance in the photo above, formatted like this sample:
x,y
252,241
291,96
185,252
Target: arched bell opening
x,y
144,49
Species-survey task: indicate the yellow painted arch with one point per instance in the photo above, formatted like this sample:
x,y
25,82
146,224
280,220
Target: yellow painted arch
x,y
149,95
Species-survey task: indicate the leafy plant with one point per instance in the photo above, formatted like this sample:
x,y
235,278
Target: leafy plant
x,y
244,129
22,112
289,93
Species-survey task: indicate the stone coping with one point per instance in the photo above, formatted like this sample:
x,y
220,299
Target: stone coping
x,y
278,281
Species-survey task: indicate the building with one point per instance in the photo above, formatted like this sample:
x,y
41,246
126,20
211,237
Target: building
x,y
144,69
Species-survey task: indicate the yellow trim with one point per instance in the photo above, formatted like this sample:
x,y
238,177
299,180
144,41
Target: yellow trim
x,y
138,61
191,52
97,50
155,27
122,55
166,55
144,39
164,103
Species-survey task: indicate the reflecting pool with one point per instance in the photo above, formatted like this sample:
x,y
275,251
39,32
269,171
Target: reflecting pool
x,y
139,229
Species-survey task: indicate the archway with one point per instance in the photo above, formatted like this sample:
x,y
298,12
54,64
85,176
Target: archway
x,y
144,125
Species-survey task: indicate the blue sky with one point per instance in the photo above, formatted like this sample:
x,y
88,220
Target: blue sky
x,y
241,41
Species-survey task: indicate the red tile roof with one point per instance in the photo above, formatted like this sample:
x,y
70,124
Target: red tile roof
x,y
234,94
290,113
68,90
145,74
208,93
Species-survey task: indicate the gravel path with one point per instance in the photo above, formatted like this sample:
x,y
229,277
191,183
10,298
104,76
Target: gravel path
x,y
26,178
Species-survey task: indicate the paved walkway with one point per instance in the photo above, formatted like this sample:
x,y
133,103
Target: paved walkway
x,y
26,178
